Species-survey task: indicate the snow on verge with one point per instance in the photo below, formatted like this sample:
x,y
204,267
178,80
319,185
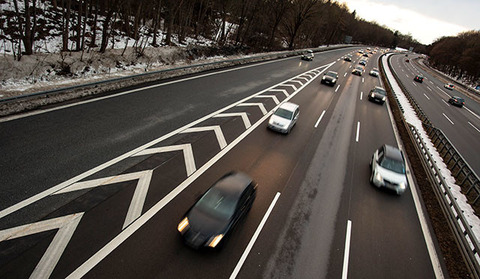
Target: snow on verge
x,y
411,118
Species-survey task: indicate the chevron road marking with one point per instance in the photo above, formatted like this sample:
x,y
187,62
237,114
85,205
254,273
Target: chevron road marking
x,y
306,79
218,132
269,96
280,90
260,105
244,116
293,86
66,225
294,80
138,200
187,154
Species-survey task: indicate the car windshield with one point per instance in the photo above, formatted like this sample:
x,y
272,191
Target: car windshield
x,y
393,165
379,91
359,68
332,74
284,113
216,204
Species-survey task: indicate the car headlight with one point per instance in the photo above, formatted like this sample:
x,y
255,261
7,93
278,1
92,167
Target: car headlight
x,y
213,242
384,98
402,186
183,225
372,95
379,177
334,80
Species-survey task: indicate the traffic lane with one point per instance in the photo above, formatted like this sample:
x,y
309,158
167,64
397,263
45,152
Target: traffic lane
x,y
461,127
47,149
267,156
386,231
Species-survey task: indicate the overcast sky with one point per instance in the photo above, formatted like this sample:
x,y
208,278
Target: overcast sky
x,y
425,20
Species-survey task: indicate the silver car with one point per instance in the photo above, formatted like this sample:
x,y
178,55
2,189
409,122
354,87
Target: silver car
x,y
388,169
284,118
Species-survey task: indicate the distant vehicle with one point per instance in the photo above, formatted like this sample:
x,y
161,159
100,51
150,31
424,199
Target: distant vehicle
x,y
284,118
363,62
377,94
348,58
388,169
418,78
308,55
456,101
330,78
449,86
360,51
407,60
358,71
365,54
213,217
374,72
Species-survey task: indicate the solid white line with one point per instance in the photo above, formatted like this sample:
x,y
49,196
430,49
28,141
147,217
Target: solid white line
x,y
478,130
254,238
426,96
474,114
337,88
448,118
319,119
346,254
358,131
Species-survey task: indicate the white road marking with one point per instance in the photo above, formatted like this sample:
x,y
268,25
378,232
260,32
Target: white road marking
x,y
294,80
243,115
429,88
306,79
337,88
273,97
414,83
346,254
445,102
407,75
361,95
345,75
426,96
478,130
280,90
190,165
293,86
260,105
448,118
254,238
431,81
319,119
474,114
218,133
363,80
66,226
358,131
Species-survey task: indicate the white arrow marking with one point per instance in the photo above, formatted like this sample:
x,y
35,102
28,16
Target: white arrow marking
x,y
138,200
280,90
66,225
244,116
269,96
218,132
260,105
187,154
286,84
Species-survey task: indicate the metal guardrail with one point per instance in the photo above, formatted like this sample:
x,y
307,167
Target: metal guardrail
x,y
202,67
464,175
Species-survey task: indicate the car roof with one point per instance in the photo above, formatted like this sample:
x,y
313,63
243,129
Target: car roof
x,y
332,72
233,184
393,153
457,97
289,106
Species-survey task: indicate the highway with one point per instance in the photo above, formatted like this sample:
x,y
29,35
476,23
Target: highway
x,y
97,188
460,125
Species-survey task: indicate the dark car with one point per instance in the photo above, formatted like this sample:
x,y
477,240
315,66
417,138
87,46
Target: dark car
x,y
308,55
457,101
330,78
348,58
363,62
377,94
418,78
215,214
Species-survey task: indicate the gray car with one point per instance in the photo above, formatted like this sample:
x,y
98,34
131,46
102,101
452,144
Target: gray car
x,y
388,169
378,95
330,78
284,118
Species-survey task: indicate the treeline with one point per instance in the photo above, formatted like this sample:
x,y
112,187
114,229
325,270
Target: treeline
x,y
458,56
254,25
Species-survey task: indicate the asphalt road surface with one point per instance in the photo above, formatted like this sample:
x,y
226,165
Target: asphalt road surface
x,y
97,189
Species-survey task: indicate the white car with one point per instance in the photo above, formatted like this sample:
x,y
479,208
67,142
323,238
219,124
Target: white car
x,y
388,169
284,118
374,72
449,86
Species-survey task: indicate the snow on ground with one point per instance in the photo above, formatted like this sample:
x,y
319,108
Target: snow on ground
x,y
412,118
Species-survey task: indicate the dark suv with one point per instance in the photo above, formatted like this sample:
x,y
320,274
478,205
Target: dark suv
x,y
377,94
330,78
418,78
456,101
